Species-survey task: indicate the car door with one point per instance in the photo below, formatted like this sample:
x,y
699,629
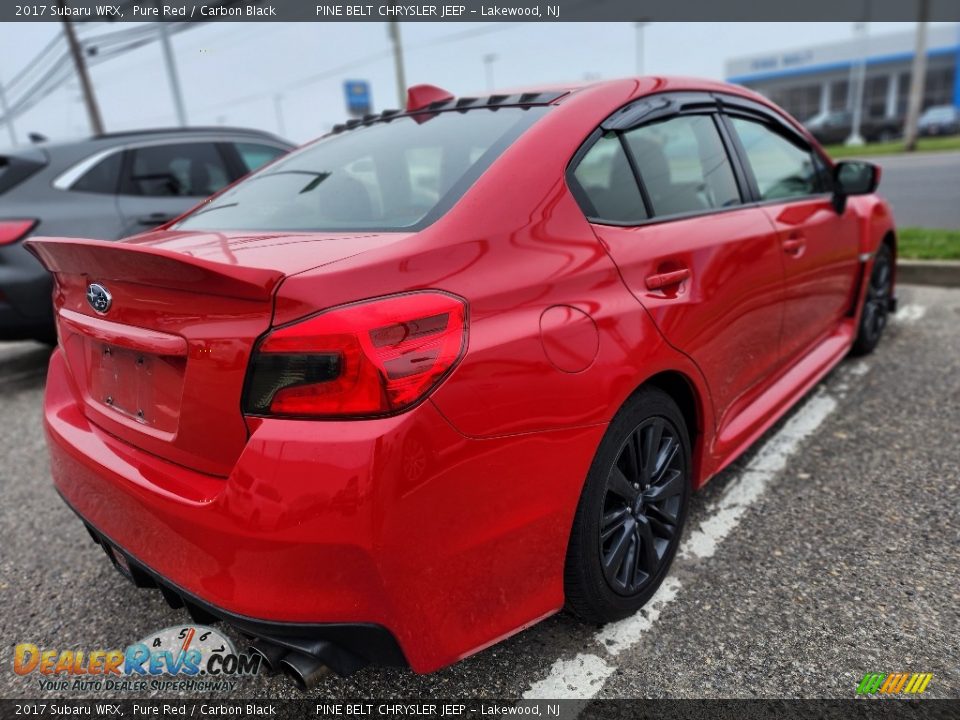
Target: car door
x,y
161,180
819,246
666,200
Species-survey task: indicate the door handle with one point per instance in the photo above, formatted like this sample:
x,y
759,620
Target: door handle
x,y
154,219
663,280
794,245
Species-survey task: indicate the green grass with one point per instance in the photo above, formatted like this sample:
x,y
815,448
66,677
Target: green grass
x,y
933,144
926,244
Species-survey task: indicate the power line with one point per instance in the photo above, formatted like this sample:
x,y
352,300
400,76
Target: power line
x,y
49,69
46,73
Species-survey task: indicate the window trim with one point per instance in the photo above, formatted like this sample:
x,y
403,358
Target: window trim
x,y
579,192
696,106
721,107
698,111
791,137
100,158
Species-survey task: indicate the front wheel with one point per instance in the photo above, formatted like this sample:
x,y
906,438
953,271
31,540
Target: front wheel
x,y
631,512
876,305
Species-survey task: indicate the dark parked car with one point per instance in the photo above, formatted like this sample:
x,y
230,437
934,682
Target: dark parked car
x,y
109,187
835,127
939,120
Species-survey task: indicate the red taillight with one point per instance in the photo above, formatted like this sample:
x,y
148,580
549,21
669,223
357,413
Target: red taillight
x,y
13,230
369,358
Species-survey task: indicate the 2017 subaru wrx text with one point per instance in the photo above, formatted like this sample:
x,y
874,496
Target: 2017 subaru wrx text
x,y
447,370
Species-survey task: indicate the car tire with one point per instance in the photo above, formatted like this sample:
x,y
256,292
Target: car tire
x,y
630,516
876,303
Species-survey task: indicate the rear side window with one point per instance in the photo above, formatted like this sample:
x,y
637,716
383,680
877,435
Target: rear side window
x,y
104,177
607,186
683,165
396,175
177,170
781,168
255,155
15,169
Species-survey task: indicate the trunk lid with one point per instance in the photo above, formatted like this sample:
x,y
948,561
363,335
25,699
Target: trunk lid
x,y
158,353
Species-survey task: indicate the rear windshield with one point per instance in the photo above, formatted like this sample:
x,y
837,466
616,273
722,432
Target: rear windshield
x,y
396,175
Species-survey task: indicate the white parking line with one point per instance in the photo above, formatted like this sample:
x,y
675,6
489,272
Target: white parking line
x,y
584,676
619,636
750,484
577,679
909,313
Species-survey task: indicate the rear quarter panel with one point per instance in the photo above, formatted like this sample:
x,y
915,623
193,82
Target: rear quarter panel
x,y
519,249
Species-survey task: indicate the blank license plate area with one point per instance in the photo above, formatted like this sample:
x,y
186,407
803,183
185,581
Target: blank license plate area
x,y
145,388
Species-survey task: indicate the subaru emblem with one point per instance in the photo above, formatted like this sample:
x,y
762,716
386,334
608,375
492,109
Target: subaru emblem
x,y
99,298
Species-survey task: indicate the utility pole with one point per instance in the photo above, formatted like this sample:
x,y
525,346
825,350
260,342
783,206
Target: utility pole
x,y
93,110
640,49
858,82
172,77
918,75
5,109
393,27
488,60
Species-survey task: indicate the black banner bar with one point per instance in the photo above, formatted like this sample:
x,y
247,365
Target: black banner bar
x,y
473,10
395,709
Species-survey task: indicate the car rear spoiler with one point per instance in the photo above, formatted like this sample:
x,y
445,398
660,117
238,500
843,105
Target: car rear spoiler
x,y
144,265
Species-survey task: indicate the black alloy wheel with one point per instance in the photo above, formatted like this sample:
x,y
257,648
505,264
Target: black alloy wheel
x,y
641,509
632,509
876,304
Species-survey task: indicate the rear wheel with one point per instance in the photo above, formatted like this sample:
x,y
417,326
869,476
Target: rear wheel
x,y
631,512
876,305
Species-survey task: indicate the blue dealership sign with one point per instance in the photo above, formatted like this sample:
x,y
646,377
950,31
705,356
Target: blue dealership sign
x,y
358,96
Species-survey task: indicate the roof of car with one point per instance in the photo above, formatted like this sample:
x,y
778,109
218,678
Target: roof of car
x,y
107,140
549,94
197,130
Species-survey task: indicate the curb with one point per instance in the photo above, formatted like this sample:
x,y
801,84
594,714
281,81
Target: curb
x,y
945,273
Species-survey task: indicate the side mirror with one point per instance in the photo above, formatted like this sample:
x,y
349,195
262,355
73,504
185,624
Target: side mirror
x,y
853,177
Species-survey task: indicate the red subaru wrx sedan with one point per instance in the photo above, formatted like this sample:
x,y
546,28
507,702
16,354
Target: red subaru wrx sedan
x,y
451,369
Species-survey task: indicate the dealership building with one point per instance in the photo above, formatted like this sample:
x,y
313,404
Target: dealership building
x,y
810,80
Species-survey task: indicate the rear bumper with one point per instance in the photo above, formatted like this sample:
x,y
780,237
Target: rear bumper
x,y
345,646
445,542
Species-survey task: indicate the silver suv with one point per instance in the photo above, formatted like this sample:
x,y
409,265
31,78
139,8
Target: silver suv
x,y
106,187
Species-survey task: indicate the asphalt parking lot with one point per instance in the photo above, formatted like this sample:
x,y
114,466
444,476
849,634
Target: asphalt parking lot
x,y
831,550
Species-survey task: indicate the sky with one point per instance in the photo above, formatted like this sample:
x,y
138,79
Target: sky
x,y
288,78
